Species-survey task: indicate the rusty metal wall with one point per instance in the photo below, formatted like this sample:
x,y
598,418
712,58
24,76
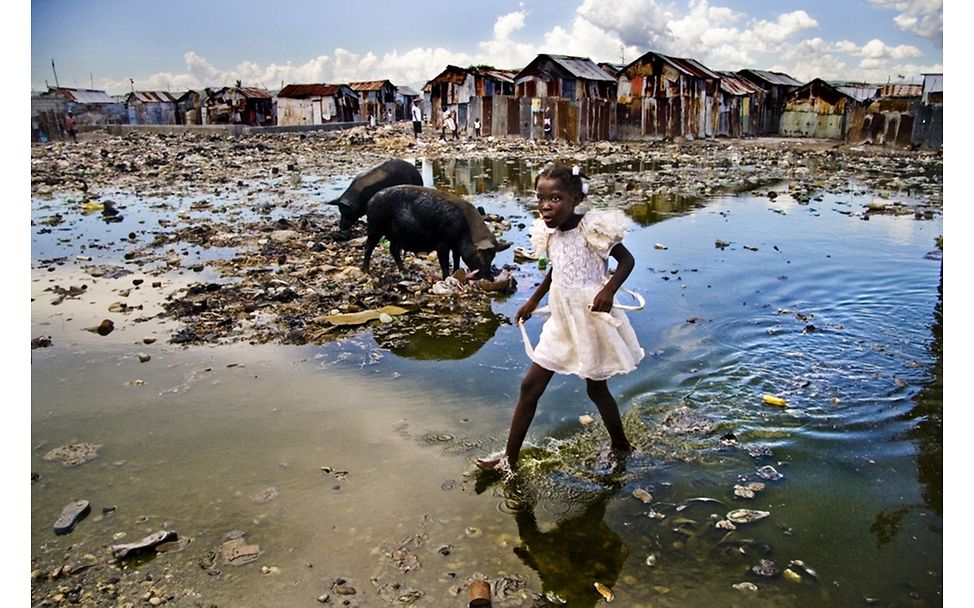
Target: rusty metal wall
x,y
815,116
928,126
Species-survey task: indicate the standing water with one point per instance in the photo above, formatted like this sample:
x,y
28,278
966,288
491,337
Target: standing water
x,y
350,464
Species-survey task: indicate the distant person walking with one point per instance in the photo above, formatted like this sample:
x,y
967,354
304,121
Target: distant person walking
x,y
71,126
446,118
417,119
389,116
547,127
455,125
476,127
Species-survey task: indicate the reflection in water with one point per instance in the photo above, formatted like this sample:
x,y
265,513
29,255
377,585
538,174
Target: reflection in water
x,y
660,207
929,430
434,341
576,552
571,557
483,175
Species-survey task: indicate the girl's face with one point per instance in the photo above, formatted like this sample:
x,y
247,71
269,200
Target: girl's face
x,y
556,204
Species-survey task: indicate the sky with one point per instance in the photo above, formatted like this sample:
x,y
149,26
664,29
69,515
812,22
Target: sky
x,y
177,45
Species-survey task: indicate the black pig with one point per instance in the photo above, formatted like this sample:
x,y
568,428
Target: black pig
x,y
354,201
421,220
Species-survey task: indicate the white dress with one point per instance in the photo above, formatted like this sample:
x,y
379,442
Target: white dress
x,y
575,340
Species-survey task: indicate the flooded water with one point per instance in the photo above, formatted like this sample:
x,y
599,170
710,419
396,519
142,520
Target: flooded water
x,y
370,449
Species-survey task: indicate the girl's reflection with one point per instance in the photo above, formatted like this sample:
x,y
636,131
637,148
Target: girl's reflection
x,y
576,553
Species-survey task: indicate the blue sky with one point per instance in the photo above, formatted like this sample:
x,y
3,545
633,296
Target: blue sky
x,y
179,44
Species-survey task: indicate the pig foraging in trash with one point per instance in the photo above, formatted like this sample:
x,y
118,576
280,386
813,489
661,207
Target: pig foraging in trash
x,y
418,219
353,202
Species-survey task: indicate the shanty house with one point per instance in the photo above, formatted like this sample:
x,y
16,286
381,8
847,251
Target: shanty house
x,y
490,82
151,108
818,109
494,102
928,128
189,106
90,106
740,101
374,97
572,94
450,91
670,97
566,77
777,86
239,105
316,104
404,102
623,86
888,117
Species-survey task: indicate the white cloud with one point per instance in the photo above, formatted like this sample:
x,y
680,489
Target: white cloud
x,y
925,18
506,24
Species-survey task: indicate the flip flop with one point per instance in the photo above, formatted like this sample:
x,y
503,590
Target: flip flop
x,y
71,514
149,542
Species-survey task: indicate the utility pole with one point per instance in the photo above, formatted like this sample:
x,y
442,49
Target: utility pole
x,y
56,85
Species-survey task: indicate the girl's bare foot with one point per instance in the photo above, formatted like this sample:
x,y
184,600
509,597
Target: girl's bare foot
x,y
488,464
497,461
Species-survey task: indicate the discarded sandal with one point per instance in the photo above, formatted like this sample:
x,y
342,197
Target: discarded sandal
x,y
71,514
149,542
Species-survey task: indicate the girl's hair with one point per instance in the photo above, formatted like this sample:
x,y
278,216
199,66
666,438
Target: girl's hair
x,y
570,177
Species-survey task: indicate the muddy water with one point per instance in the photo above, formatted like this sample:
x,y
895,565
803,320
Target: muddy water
x,y
370,450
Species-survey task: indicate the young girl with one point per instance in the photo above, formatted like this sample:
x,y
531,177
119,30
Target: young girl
x,y
585,335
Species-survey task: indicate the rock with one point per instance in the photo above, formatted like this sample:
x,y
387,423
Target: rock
x,y
73,454
766,569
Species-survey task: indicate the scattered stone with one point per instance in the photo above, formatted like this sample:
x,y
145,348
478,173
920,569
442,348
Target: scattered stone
x,y
73,455
766,569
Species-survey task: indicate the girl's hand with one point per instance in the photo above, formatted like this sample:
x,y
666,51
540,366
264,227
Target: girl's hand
x,y
524,313
603,300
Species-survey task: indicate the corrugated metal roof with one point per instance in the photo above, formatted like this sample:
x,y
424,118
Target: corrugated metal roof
x,y
691,66
901,90
450,75
860,91
581,67
772,77
153,97
370,85
251,92
300,91
733,84
82,95
407,91
501,75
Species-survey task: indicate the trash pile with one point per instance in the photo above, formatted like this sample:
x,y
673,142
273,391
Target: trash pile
x,y
294,278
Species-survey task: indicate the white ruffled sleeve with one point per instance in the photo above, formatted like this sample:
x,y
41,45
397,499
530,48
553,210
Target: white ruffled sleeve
x,y
604,229
539,234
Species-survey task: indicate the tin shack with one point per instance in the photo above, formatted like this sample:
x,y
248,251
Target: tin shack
x,y
777,86
670,97
316,104
572,94
928,127
818,109
740,101
151,108
239,105
375,97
